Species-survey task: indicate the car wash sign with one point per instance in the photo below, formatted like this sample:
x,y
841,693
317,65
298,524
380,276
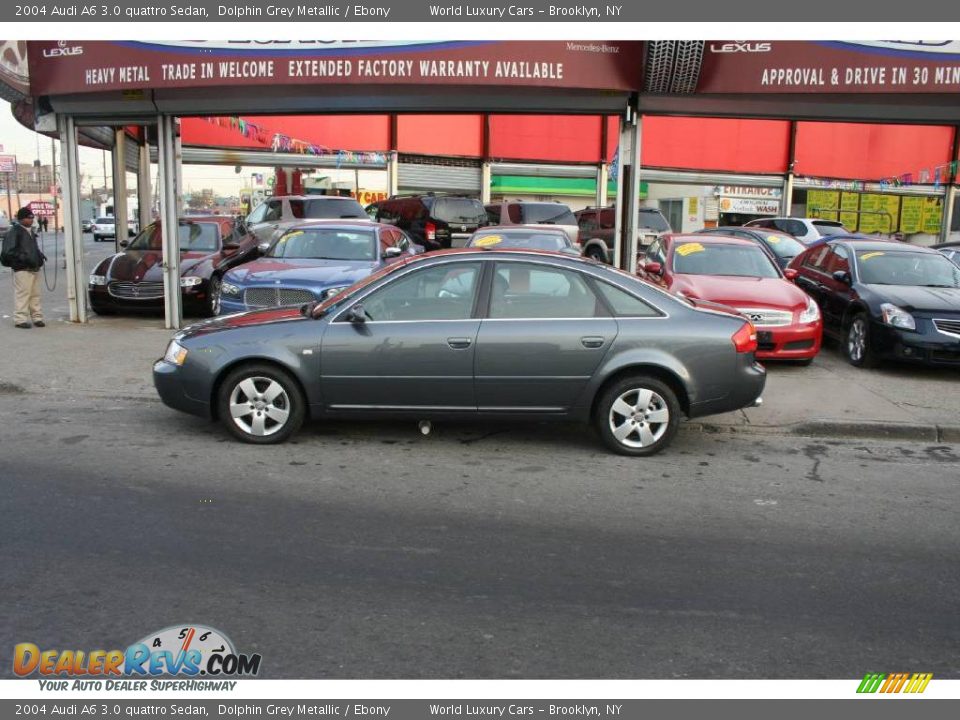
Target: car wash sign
x,y
746,200
96,66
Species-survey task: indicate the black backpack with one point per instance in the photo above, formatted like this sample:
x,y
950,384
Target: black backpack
x,y
9,249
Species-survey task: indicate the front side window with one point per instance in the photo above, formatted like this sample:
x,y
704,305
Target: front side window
x,y
274,211
196,236
258,215
655,252
441,292
526,291
324,243
148,239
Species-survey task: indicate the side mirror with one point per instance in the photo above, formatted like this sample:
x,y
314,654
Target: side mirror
x,y
356,314
263,247
392,252
791,274
842,276
654,268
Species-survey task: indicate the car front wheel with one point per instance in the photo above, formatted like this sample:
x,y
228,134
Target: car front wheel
x,y
261,404
637,415
213,296
857,345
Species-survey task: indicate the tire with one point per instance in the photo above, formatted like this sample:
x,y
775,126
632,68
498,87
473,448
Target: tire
x,y
247,386
595,252
856,343
643,437
212,308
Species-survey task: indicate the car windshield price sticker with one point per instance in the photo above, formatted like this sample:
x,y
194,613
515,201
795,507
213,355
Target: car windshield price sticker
x,y
488,241
869,255
689,249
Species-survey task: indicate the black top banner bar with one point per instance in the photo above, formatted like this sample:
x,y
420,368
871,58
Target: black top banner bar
x,y
518,12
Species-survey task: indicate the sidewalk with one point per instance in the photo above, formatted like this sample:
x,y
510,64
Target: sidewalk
x,y
112,357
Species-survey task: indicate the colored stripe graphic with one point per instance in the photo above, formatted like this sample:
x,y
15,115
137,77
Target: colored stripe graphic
x,y
894,683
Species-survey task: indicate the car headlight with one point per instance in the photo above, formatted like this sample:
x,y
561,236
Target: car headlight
x,y
190,281
811,313
229,289
176,353
98,279
897,317
330,292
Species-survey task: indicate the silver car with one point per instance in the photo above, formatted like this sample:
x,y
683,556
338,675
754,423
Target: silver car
x,y
271,218
524,237
470,333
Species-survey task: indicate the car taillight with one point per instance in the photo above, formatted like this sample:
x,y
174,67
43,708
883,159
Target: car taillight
x,y
745,339
431,231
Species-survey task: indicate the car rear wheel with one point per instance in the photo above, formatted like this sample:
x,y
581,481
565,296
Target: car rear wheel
x,y
857,345
261,404
637,415
213,296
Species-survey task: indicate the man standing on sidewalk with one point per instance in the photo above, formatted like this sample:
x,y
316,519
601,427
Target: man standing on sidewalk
x,y
22,254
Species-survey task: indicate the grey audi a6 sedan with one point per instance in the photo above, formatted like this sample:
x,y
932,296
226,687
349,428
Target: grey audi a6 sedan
x,y
472,333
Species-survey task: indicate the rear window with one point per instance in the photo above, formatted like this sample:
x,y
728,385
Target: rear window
x,y
199,236
542,214
828,227
105,221
326,209
463,211
654,220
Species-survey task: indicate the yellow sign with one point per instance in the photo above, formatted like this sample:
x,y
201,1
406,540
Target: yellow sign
x,y
773,238
911,215
823,204
849,201
869,213
689,249
932,215
693,206
890,206
488,241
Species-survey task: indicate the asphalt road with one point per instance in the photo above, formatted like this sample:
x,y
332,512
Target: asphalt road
x,y
368,551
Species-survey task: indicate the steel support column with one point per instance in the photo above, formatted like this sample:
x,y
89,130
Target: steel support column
x,y
485,179
118,157
602,178
786,202
623,151
73,236
169,203
632,195
144,191
949,200
393,173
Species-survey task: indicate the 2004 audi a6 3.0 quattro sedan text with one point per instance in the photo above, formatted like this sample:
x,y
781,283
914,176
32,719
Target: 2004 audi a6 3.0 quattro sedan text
x,y
471,333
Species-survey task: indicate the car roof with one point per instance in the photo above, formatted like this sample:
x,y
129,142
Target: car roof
x,y
710,239
882,245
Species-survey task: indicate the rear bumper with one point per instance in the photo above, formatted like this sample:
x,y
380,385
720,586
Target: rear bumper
x,y
791,342
747,383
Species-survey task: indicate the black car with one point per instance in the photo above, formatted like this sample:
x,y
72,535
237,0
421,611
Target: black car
x,y
885,300
950,250
434,221
781,248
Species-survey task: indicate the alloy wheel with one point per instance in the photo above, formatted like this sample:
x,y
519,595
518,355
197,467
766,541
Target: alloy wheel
x,y
259,406
215,295
857,340
639,417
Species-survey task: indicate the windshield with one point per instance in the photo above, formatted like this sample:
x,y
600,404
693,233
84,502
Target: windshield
x,y
828,227
324,243
327,208
906,268
654,220
529,239
462,211
693,258
783,246
542,214
198,236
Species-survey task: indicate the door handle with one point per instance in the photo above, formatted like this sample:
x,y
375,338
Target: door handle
x,y
592,341
459,343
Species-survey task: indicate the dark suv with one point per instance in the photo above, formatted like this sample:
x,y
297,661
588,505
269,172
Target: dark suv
x,y
597,227
434,221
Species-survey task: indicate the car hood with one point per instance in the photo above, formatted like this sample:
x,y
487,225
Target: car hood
x,y
742,291
302,272
242,320
913,297
146,265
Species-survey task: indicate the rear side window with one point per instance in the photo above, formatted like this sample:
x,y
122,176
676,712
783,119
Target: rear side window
x,y
526,291
623,303
493,214
816,258
328,208
650,219
588,220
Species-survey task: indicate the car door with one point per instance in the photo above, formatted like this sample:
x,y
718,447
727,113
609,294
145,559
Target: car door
x,y
543,336
836,293
415,349
811,273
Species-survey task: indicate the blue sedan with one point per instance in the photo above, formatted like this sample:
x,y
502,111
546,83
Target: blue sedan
x,y
313,261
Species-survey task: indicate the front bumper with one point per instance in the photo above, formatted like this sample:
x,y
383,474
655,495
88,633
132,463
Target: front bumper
x,y
789,342
168,381
925,345
194,300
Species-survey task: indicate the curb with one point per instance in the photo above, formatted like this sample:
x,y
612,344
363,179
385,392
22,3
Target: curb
x,y
839,429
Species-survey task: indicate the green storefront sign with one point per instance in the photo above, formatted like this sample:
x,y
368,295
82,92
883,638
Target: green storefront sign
x,y
535,185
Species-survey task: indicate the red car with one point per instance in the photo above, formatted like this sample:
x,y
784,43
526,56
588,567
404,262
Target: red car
x,y
738,273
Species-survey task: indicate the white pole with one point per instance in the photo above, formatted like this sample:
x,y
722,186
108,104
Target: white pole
x,y
169,220
73,236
